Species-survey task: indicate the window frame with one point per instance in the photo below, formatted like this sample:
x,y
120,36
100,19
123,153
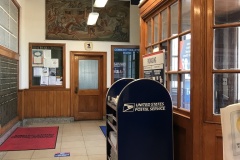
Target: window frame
x,y
167,40
210,71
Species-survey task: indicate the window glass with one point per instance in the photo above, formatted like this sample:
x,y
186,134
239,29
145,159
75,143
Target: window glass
x,y
173,88
126,63
186,15
226,48
174,54
165,48
149,33
164,24
226,90
226,11
88,74
185,52
185,91
156,48
156,34
149,50
174,19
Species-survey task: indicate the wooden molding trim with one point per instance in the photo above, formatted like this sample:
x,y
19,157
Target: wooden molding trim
x,y
9,125
8,53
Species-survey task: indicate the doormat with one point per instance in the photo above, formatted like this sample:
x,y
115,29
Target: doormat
x,y
31,138
104,130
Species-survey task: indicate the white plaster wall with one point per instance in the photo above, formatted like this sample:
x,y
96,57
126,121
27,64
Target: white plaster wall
x,y
32,29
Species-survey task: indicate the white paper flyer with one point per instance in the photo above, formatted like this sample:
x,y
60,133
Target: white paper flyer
x,y
230,119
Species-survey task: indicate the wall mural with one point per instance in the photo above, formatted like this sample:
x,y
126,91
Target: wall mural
x,y
67,20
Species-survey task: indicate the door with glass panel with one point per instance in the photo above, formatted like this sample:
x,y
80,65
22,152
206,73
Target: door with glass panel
x,y
88,89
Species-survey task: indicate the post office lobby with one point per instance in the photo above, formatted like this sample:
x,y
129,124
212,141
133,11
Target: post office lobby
x,y
210,26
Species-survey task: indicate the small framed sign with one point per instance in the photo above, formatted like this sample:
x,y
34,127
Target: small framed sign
x,y
88,46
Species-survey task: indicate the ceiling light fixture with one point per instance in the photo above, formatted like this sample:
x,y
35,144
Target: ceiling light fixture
x,y
92,17
100,3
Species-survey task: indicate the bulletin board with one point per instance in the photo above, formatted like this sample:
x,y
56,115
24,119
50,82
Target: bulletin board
x,y
46,65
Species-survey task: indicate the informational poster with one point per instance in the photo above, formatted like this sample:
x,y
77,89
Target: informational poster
x,y
185,59
47,54
58,80
51,63
37,57
44,80
37,71
119,69
153,66
230,119
45,71
52,71
52,80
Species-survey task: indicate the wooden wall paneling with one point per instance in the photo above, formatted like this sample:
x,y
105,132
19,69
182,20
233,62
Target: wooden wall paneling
x,y
8,53
179,143
28,104
65,106
150,6
142,46
57,111
212,142
198,81
219,143
182,137
38,98
58,105
44,103
51,103
9,125
208,116
21,104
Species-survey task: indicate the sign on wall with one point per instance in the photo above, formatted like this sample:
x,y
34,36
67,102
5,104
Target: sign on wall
x,y
153,66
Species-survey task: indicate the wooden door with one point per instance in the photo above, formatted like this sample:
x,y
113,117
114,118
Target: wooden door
x,y
88,87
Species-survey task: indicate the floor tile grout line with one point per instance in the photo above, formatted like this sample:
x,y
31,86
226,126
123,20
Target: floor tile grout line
x,y
60,138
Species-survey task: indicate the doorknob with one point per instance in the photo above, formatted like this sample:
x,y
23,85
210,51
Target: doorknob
x,y
76,90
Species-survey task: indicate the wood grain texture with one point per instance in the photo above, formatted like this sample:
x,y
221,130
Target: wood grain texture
x,y
44,103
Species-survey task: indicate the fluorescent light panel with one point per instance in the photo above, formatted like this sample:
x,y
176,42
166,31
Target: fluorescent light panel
x,y
92,18
100,3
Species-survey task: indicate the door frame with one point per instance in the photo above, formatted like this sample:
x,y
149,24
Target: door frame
x,y
104,82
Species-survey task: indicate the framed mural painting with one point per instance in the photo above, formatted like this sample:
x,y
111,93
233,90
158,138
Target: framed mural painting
x,y
67,20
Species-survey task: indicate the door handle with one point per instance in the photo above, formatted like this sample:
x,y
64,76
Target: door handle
x,y
76,90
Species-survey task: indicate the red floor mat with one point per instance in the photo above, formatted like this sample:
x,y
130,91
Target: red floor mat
x,y
31,138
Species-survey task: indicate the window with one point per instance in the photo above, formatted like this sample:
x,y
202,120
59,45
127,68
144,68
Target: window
x,y
174,19
224,63
164,17
9,25
125,62
173,24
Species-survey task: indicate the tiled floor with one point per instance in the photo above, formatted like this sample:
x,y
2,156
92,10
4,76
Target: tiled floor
x,y
83,139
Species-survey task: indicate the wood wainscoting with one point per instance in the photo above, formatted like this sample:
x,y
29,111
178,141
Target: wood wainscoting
x,y
44,103
9,125
213,142
182,137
